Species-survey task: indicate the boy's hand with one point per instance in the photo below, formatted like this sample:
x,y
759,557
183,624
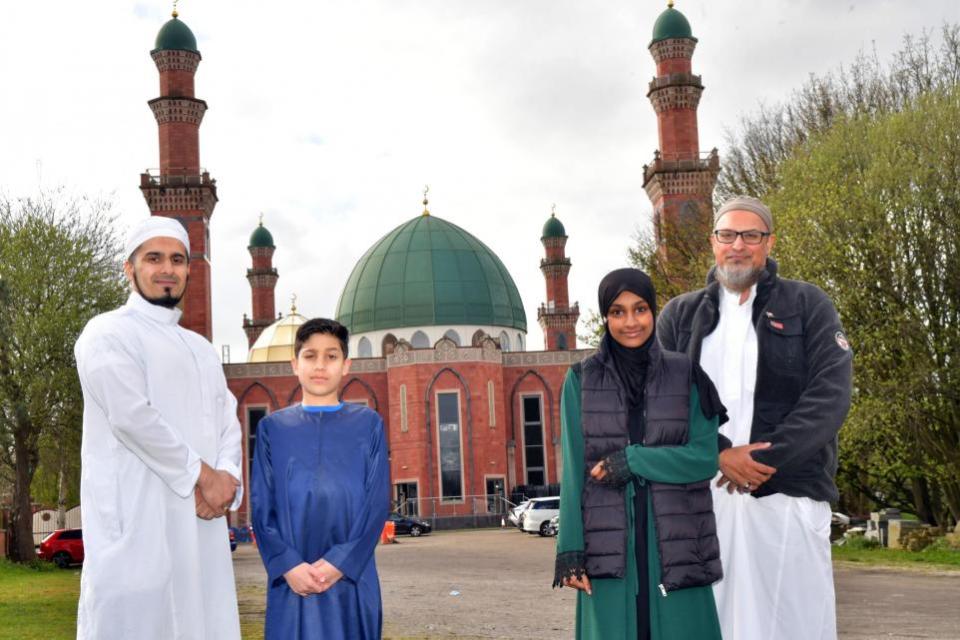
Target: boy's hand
x,y
304,579
329,574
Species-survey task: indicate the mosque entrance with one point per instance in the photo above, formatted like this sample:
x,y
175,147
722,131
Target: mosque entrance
x,y
406,496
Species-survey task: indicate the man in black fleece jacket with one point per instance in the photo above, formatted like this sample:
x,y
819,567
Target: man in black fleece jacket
x,y
777,353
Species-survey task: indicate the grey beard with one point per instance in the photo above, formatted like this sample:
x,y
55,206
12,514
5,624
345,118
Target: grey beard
x,y
738,280
167,300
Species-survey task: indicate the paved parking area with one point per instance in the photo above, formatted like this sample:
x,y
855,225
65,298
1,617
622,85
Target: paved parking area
x,y
495,583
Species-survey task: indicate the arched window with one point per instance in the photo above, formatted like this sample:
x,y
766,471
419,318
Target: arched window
x,y
453,335
419,340
504,341
364,348
520,342
562,342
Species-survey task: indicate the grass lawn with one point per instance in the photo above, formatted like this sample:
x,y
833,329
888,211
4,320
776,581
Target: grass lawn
x,y
941,559
38,604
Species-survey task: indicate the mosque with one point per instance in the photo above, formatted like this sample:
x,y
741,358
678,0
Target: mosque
x,y
438,328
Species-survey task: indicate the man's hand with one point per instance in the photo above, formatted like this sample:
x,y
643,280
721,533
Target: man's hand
x,y
304,579
582,583
328,574
217,488
740,471
204,510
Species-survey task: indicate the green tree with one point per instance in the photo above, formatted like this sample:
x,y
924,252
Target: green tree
x,y
59,263
870,210
764,140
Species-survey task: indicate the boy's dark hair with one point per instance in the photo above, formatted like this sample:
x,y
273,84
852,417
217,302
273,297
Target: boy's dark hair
x,y
321,325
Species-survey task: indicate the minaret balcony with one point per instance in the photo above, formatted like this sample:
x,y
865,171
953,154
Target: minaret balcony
x,y
175,177
679,162
554,310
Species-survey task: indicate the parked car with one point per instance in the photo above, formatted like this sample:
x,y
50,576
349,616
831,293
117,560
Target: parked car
x,y
412,526
514,516
553,526
63,547
536,519
233,540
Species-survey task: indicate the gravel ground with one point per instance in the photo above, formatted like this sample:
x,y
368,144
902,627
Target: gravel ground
x,y
495,583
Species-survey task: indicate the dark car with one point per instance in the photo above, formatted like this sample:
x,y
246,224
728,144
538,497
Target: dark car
x,y
409,525
63,547
233,540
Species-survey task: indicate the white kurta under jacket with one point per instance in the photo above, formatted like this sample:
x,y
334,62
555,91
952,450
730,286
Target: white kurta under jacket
x,y
156,403
777,572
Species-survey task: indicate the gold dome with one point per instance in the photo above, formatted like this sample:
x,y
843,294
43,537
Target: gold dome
x,y
275,344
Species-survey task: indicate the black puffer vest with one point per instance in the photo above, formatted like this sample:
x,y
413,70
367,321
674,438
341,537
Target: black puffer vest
x,y
683,513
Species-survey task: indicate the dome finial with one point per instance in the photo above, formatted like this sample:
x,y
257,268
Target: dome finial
x,y
293,304
669,4
261,218
553,210
426,190
175,14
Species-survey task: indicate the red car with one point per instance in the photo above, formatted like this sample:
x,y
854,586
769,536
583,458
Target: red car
x,y
63,547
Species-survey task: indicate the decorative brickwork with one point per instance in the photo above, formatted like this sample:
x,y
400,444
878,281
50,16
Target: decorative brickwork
x,y
188,110
180,199
673,48
675,97
176,60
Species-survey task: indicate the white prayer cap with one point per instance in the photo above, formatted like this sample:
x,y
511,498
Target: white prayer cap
x,y
156,227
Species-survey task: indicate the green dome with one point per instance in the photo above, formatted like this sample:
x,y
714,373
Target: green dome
x,y
175,35
429,272
261,238
671,24
553,228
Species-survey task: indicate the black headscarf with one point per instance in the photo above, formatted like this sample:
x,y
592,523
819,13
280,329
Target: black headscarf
x,y
630,362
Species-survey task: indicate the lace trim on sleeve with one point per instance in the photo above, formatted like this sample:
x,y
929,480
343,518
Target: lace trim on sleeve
x,y
570,564
618,471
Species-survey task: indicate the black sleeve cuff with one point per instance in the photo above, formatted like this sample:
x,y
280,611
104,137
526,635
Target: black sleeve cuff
x,y
618,471
723,443
570,564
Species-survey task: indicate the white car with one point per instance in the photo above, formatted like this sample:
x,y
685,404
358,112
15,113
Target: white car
x,y
514,516
536,519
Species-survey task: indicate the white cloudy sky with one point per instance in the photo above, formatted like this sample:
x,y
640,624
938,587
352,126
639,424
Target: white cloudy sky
x,y
330,116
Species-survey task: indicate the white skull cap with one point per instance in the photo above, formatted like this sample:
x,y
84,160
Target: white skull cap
x,y
156,227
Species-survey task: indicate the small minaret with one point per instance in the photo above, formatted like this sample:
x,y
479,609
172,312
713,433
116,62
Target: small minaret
x,y
263,280
556,317
180,189
680,180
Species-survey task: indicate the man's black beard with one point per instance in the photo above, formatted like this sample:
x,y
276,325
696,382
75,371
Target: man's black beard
x,y
167,300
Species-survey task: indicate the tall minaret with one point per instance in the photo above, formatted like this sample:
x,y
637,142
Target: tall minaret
x,y
263,280
181,189
557,318
680,180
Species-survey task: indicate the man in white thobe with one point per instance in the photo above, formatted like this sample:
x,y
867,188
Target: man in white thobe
x,y
160,461
781,363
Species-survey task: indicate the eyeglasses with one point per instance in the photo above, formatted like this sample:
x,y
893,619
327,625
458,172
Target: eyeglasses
x,y
729,236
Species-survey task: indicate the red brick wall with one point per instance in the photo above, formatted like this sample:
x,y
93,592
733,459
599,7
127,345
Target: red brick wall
x,y
413,453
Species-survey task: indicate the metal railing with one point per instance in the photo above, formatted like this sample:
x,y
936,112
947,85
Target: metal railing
x,y
670,162
447,507
176,177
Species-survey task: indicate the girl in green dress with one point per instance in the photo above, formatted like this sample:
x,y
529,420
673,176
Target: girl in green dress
x,y
639,428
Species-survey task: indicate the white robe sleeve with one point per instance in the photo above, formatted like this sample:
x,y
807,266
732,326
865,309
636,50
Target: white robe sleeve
x,y
229,450
116,381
